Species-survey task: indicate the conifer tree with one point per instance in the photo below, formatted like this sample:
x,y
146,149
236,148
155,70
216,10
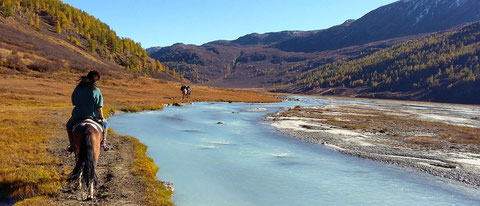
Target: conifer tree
x,y
152,67
59,27
37,22
7,8
30,21
159,66
92,46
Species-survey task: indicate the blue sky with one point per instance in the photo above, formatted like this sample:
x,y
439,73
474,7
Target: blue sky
x,y
165,22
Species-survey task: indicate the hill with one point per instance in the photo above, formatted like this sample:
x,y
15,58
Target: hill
x,y
401,18
266,38
47,36
442,67
276,58
252,63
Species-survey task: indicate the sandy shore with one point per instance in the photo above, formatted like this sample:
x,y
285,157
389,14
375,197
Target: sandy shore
x,y
441,140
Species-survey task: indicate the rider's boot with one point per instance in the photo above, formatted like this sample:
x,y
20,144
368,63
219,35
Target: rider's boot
x,y
70,134
104,141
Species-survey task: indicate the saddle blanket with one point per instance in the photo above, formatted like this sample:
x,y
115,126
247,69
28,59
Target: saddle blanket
x,y
95,125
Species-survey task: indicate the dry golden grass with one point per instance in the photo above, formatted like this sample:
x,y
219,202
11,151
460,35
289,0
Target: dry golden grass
x,y
34,108
143,167
25,164
36,201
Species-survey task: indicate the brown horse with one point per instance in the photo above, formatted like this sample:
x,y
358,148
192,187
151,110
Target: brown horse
x,y
87,136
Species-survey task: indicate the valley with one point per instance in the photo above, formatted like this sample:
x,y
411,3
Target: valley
x,y
314,62
244,119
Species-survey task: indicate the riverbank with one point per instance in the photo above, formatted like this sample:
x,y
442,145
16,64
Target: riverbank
x,y
34,163
438,139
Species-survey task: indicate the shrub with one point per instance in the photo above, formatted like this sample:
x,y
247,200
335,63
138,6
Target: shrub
x,y
13,59
28,56
39,66
21,68
74,40
82,68
14,62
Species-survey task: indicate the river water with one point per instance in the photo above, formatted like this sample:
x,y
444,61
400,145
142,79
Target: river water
x,y
245,162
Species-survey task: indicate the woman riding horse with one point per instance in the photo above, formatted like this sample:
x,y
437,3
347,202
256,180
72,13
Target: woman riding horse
x,y
88,102
85,131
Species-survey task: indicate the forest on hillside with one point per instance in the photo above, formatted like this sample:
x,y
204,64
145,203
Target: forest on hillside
x,y
444,65
82,30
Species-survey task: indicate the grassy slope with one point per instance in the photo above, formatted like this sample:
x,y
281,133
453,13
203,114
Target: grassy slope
x,y
24,48
34,109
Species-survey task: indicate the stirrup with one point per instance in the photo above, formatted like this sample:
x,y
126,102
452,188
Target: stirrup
x,y
106,147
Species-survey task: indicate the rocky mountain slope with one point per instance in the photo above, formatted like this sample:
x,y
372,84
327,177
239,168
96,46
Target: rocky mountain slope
x,y
401,18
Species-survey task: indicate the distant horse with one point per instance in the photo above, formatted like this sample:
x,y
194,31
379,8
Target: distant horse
x,y
186,91
87,136
189,91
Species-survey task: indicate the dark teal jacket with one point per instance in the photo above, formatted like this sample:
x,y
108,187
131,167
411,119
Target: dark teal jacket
x,y
86,102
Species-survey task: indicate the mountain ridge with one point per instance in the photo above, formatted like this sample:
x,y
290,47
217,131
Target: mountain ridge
x,y
441,67
401,18
258,60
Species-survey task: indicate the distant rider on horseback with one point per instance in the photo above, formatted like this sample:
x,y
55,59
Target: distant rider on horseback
x,y
186,91
88,102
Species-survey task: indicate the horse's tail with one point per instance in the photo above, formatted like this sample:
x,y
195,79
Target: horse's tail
x,y
86,162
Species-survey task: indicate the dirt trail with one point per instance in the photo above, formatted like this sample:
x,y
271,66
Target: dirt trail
x,y
117,184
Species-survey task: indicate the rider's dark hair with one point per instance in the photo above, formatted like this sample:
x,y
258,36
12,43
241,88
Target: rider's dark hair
x,y
89,80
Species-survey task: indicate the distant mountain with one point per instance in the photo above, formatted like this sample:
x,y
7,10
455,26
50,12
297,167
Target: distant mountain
x,y
278,58
443,67
227,64
270,38
154,49
401,18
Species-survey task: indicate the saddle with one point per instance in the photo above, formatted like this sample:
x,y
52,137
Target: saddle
x,y
89,120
